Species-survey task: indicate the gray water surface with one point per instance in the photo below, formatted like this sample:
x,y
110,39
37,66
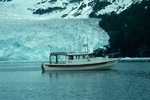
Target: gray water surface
x,y
24,81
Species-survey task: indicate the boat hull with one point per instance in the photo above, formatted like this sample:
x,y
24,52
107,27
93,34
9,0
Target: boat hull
x,y
92,66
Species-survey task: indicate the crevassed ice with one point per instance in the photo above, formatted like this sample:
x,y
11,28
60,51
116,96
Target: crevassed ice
x,y
33,40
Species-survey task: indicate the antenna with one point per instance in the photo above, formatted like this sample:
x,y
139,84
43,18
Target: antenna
x,y
86,47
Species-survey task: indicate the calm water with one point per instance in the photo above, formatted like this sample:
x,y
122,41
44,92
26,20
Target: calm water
x,y
24,81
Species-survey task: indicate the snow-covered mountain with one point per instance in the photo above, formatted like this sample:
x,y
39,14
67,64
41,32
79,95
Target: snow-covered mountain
x,y
61,8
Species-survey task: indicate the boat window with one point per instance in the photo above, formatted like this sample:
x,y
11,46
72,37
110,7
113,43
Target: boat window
x,y
71,57
77,57
83,56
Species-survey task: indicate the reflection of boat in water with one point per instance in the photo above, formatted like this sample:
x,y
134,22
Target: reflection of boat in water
x,y
78,61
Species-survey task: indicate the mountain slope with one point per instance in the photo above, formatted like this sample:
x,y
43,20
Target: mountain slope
x,y
129,31
62,8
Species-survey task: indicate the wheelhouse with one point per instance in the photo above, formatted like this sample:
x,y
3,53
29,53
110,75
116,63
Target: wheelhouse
x,y
71,57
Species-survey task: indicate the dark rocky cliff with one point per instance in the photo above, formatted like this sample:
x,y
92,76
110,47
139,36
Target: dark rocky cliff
x,y
129,31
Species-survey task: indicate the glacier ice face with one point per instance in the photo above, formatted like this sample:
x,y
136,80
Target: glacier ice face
x,y
33,40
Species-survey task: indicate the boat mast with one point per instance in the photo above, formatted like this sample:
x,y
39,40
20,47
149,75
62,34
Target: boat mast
x,y
86,47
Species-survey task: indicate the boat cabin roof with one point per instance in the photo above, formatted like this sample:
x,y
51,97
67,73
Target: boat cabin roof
x,y
70,53
58,53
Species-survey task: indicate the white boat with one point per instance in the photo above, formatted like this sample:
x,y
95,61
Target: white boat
x,y
77,61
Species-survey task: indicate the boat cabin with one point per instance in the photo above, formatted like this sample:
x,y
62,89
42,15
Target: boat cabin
x,y
71,57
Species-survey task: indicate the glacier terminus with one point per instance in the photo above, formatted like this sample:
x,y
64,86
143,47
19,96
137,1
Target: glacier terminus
x,y
33,40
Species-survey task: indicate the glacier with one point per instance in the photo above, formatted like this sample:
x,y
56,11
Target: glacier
x,y
33,40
